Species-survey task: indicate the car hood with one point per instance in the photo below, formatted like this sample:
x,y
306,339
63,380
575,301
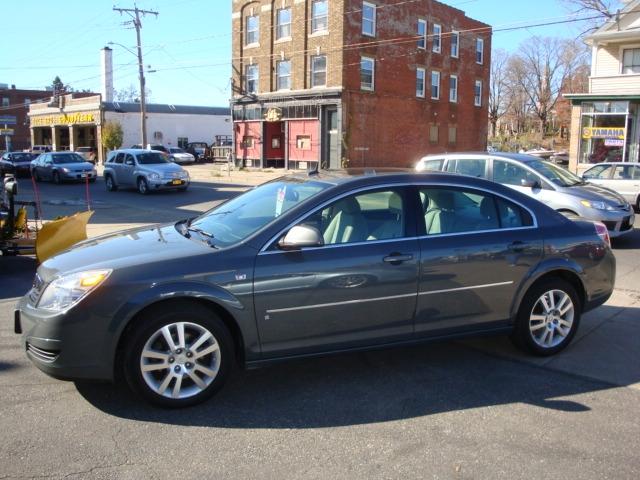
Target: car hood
x,y
128,248
162,168
590,191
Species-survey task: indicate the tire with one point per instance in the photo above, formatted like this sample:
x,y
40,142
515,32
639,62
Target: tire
x,y
178,375
109,184
56,178
638,204
547,329
143,186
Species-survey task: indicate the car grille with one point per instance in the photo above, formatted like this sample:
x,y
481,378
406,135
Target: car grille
x,y
36,290
625,224
44,355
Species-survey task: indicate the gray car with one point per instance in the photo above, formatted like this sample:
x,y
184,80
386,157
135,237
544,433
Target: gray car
x,y
145,170
311,265
62,166
621,177
553,185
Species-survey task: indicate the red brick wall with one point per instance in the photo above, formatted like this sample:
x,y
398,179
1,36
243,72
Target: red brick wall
x,y
17,108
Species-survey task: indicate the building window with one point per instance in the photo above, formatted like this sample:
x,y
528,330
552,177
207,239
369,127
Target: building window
x,y
453,88
435,85
479,51
27,101
420,80
455,42
5,101
183,142
437,38
319,16
433,133
319,71
477,100
247,142
453,134
283,75
631,60
303,142
253,30
251,78
367,73
368,19
422,33
283,23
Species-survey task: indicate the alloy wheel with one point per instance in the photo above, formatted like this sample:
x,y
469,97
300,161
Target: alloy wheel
x,y
180,360
551,318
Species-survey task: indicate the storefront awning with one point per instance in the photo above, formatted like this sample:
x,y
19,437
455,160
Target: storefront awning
x,y
578,98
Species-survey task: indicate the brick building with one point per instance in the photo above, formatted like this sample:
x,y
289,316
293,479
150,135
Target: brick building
x,y
14,105
357,83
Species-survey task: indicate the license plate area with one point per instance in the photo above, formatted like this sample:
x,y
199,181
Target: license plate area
x,y
176,182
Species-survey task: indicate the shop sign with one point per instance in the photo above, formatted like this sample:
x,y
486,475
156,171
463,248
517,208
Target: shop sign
x,y
613,142
6,131
603,132
273,115
64,119
8,119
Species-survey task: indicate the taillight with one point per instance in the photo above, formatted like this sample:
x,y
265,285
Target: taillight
x,y
602,232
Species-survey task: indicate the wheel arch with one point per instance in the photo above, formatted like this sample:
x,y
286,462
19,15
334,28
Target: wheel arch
x,y
216,308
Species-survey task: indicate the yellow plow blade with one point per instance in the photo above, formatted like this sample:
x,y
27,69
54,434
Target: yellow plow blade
x,y
58,235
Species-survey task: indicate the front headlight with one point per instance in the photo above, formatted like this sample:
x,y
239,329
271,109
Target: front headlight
x,y
184,174
154,176
598,205
65,170
64,292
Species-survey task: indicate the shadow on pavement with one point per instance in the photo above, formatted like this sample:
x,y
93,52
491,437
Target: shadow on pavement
x,y
16,275
361,388
628,241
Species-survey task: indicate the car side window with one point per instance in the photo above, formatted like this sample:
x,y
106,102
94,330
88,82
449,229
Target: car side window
x,y
624,172
364,217
473,167
599,172
128,159
449,210
432,164
119,157
509,173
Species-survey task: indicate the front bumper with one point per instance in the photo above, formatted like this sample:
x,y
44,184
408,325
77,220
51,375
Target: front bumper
x,y
68,345
75,176
618,223
164,183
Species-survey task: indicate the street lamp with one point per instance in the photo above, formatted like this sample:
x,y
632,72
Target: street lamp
x,y
143,103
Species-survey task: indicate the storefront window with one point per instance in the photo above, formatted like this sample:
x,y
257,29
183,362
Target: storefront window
x,y
603,132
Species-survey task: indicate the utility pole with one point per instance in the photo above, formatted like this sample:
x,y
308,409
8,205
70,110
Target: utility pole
x,y
143,104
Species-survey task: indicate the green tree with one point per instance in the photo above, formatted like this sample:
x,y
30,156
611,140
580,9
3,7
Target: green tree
x,y
59,88
112,135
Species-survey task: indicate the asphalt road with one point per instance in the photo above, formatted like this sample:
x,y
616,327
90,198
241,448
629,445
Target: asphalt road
x,y
453,410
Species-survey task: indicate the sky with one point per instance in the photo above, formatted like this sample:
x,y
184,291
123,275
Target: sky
x,y
187,46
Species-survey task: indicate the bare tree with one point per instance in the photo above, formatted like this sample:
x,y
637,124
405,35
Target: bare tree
x,y
599,11
498,88
541,67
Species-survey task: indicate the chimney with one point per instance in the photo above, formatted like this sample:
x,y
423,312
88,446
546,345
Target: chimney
x,y
107,74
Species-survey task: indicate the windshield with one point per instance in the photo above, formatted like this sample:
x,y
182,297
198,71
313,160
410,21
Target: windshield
x,y
150,158
67,158
20,157
176,150
557,175
237,219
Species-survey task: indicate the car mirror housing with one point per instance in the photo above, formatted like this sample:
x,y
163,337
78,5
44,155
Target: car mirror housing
x,y
530,183
301,236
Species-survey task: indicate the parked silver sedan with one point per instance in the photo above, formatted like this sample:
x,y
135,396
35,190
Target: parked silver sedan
x,y
146,170
621,177
61,167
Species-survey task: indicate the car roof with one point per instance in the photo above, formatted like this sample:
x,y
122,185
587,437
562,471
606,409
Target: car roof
x,y
519,157
131,150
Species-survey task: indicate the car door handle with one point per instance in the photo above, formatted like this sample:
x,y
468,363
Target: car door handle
x,y
397,258
517,246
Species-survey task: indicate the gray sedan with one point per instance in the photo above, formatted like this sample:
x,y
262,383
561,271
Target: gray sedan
x,y
553,185
621,177
146,170
312,265
62,166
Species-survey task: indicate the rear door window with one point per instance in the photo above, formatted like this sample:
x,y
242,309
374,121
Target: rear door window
x,y
625,172
432,164
473,167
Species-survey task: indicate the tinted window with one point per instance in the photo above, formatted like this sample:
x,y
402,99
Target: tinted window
x,y
19,157
128,159
150,158
119,157
509,173
455,210
67,158
626,172
599,171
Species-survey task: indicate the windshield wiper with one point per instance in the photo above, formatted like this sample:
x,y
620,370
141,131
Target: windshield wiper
x,y
200,231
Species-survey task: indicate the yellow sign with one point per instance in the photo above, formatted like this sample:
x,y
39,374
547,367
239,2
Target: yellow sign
x,y
603,132
273,115
64,119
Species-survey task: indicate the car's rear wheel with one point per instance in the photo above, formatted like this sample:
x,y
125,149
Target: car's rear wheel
x,y
178,355
109,184
548,317
143,186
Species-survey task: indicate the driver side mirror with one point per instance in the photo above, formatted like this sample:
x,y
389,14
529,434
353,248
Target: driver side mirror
x,y
301,236
529,183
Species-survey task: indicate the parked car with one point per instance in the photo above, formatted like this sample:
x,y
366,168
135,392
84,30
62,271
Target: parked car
x,y
16,163
553,185
146,170
178,155
62,166
38,149
307,265
88,153
621,177
200,151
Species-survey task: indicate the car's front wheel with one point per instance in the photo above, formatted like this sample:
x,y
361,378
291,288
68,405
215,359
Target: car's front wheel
x,y
179,355
143,186
110,184
548,317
